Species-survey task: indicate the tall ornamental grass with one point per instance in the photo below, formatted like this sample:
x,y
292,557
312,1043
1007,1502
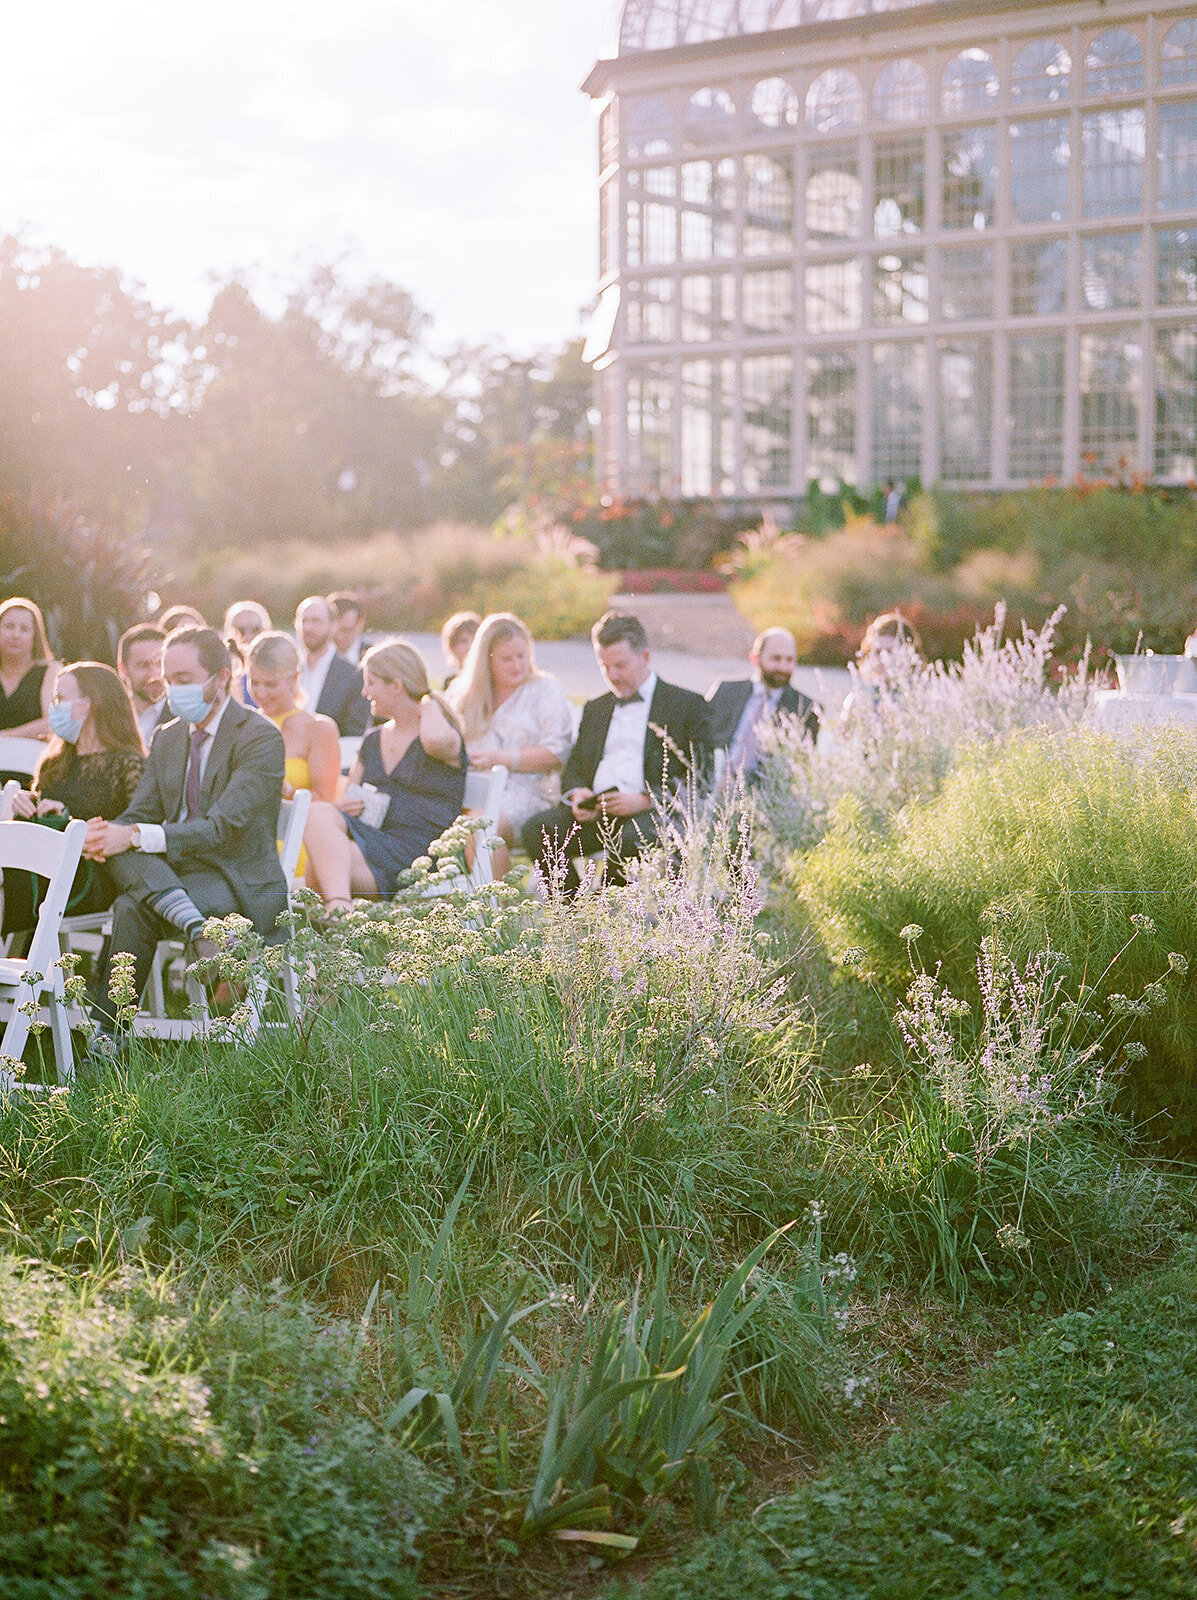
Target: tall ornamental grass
x,y
898,747
1068,841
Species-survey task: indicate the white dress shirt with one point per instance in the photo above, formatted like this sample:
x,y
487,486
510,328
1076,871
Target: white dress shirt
x,y
153,834
147,720
311,677
622,763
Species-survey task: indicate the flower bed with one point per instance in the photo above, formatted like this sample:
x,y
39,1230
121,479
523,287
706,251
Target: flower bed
x,y
670,580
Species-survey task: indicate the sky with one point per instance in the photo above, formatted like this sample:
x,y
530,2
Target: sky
x,y
443,144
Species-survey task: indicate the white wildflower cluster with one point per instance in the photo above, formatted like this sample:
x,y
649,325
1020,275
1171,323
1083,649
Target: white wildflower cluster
x,y
854,1391
897,743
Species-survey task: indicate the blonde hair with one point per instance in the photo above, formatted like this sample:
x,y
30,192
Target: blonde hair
x,y
401,663
41,646
276,652
473,690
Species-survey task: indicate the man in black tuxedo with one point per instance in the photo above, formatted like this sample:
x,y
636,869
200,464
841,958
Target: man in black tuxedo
x,y
636,746
199,837
333,686
738,706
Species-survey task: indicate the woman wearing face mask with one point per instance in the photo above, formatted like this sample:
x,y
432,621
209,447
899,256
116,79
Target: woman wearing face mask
x,y
91,767
27,670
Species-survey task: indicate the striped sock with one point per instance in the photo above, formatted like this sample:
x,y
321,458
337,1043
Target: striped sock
x,y
178,908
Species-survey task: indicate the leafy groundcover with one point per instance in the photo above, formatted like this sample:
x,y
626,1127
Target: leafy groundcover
x,y
1069,1468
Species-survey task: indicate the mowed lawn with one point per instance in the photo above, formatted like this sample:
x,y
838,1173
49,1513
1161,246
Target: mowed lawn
x,y
1069,1468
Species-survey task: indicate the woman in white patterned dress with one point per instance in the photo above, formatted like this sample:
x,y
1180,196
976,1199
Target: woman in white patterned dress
x,y
513,717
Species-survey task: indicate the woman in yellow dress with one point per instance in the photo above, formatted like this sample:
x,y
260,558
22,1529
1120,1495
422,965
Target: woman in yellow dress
x,y
311,743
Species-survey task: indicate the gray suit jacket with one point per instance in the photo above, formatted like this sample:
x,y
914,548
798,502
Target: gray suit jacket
x,y
236,831
729,697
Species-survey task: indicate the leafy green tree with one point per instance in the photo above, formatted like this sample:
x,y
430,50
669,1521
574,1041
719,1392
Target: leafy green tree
x,y
93,373
313,423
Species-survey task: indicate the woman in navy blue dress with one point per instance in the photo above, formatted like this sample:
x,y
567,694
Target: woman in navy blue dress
x,y
417,759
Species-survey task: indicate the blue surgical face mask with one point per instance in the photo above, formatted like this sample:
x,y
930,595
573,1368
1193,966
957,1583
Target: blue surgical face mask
x,y
186,700
63,724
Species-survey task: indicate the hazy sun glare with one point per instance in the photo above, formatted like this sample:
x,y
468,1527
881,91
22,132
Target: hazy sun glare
x,y
448,144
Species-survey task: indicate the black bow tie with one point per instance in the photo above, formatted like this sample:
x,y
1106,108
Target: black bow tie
x,y
630,699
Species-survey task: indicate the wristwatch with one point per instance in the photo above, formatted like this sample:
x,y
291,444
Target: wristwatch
x,y
135,837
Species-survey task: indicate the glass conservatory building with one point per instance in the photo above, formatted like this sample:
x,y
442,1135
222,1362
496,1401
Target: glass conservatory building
x,y
874,239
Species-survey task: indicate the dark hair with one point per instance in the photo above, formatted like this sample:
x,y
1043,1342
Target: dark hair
x,y
341,601
208,645
616,626
139,633
41,645
112,717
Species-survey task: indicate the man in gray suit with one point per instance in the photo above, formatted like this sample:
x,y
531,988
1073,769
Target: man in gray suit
x,y
199,837
739,706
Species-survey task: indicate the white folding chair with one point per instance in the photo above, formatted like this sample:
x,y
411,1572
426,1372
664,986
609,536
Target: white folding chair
x,y
484,793
34,984
349,749
20,755
292,820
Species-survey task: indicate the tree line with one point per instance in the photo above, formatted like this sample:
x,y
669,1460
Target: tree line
x,y
324,413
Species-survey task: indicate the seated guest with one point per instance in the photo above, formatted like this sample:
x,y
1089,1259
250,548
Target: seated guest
x,y
456,638
244,621
890,643
514,717
416,759
348,625
331,687
739,706
139,662
636,746
199,838
313,750
27,670
92,766
180,617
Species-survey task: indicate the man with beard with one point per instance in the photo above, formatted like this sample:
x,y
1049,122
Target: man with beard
x,y
740,706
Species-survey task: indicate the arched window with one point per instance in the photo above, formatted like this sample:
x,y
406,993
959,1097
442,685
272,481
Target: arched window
x,y
1114,63
1041,72
648,126
774,104
709,115
900,92
834,100
970,82
1178,55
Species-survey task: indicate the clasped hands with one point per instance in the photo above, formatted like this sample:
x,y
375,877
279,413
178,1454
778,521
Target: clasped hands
x,y
25,806
102,840
106,839
588,806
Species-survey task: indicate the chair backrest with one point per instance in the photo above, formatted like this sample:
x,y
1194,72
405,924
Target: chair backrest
x,y
484,793
11,788
1151,675
29,847
20,755
349,749
292,820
